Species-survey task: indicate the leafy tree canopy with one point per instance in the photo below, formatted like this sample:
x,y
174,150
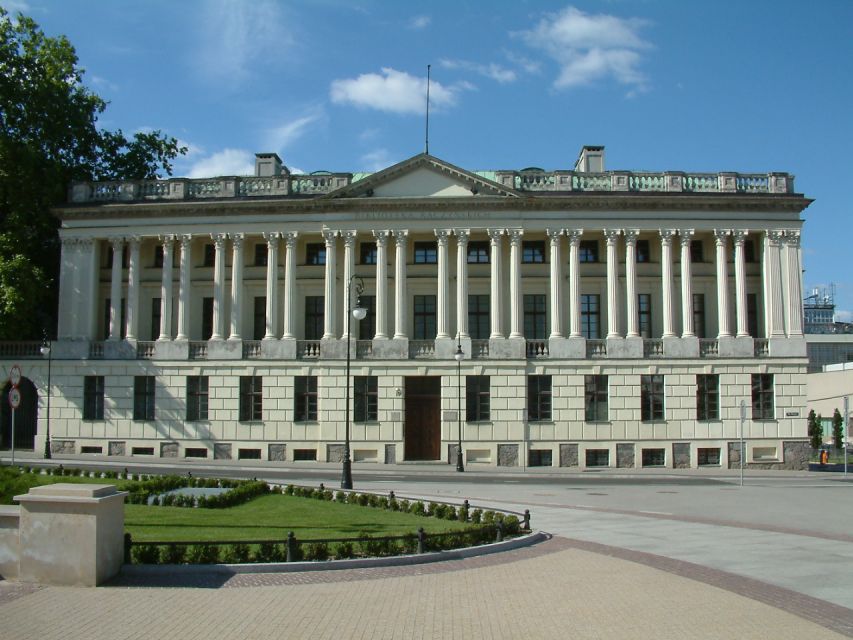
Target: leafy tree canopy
x,y
48,138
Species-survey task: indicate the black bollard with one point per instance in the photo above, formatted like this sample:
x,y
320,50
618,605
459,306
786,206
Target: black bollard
x,y
291,547
421,540
499,527
526,522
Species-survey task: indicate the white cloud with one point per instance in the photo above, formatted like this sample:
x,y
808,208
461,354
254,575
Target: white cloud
x,y
103,83
234,35
591,47
228,162
281,136
491,70
15,6
393,91
377,160
420,22
842,315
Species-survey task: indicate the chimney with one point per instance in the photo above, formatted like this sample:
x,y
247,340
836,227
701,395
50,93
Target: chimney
x,y
590,160
267,164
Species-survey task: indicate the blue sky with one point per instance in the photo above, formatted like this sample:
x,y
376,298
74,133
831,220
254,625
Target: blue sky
x,y
748,86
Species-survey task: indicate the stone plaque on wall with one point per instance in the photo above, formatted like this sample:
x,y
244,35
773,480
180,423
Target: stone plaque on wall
x,y
277,452
625,455
221,450
168,449
117,449
569,455
62,447
507,455
681,455
390,454
334,453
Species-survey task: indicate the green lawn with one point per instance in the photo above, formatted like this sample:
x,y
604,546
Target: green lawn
x,y
271,517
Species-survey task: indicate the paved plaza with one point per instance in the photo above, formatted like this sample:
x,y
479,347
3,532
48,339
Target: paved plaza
x,y
640,556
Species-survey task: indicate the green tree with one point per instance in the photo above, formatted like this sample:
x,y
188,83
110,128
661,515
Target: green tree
x,y
815,431
837,429
48,138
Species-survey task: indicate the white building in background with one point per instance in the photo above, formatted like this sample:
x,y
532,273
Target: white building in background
x,y
607,318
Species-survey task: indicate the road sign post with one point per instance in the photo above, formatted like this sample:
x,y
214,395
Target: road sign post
x,y
14,402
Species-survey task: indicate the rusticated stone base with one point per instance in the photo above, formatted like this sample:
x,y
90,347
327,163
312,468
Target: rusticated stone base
x,y
168,449
334,453
277,453
222,451
507,455
625,453
63,447
568,455
117,449
390,454
795,457
681,455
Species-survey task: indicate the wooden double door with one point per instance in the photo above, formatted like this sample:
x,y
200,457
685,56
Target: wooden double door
x,y
422,432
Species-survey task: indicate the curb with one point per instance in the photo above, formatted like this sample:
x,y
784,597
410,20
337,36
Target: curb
x,y
140,570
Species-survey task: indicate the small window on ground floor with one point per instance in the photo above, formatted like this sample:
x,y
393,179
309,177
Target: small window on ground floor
x,y
598,457
142,451
539,458
304,454
708,457
248,454
91,449
195,452
654,457
764,453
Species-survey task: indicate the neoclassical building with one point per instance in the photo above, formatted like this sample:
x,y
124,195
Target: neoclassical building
x,y
605,318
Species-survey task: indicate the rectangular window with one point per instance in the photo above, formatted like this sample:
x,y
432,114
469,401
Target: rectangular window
x,y
426,253
206,318
315,253
590,316
752,314
534,316
588,251
367,253
143,398
699,315
209,256
366,399
651,398
644,314
93,398
697,253
197,397
762,396
478,252
158,256
305,399
479,319
259,318
540,458
251,398
156,315
314,317
598,457
261,254
538,398
708,396
533,251
477,398
595,398
654,457
644,252
424,317
195,452
367,327
708,457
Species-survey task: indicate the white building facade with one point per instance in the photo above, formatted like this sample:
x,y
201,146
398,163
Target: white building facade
x,y
605,318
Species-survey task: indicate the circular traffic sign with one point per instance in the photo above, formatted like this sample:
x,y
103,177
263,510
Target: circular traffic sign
x,y
15,375
14,398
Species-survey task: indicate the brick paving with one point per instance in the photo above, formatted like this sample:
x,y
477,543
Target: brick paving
x,y
559,589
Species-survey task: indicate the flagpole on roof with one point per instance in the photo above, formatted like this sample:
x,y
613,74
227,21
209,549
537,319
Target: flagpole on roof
x,y
427,111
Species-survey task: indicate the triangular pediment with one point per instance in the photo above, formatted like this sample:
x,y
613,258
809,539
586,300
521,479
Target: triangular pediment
x,y
423,176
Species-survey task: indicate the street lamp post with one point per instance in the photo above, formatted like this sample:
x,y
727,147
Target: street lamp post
x,y
358,313
46,351
459,355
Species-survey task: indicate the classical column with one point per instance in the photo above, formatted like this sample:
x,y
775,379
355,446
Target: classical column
x,y
515,283
329,290
443,284
115,289
381,284
462,236
219,240
667,280
631,282
612,238
289,282
236,286
401,237
793,288
687,329
739,236
495,302
168,242
721,237
132,332
574,282
774,284
272,284
184,291
556,282
349,270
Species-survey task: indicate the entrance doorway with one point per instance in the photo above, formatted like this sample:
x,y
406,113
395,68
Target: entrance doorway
x,y
422,430
26,416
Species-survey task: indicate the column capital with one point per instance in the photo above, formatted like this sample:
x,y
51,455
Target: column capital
x,y
271,236
167,238
792,238
774,236
219,239
574,236
349,237
685,235
739,235
666,235
186,239
631,236
515,236
495,235
554,234
134,241
381,237
237,239
462,235
116,241
290,238
612,235
329,236
400,236
442,235
720,235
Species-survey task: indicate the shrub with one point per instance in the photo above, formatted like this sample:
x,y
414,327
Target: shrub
x,y
203,554
317,551
476,516
437,510
328,495
340,496
511,525
269,552
488,517
393,504
156,501
344,550
418,508
372,500
236,553
173,554
404,506
145,554
363,499
371,547
28,470
409,544
288,490
450,512
167,500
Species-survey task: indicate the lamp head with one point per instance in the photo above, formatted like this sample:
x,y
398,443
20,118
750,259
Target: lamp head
x,y
459,355
359,312
45,349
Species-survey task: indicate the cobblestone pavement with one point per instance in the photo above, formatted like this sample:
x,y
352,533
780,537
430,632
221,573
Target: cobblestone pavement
x,y
558,589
